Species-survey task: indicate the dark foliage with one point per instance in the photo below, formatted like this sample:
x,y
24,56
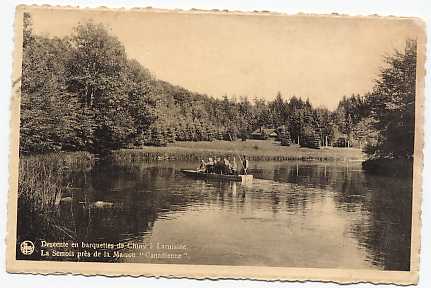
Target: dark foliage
x,y
83,93
392,106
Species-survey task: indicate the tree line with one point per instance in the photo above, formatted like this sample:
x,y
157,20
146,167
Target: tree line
x,y
82,92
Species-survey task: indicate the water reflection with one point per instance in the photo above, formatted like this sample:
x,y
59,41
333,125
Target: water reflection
x,y
296,214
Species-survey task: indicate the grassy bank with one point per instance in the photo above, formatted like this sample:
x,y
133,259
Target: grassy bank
x,y
41,177
254,149
42,182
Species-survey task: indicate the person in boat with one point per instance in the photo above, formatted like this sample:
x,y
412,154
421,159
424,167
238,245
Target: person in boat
x,y
203,166
222,166
210,165
218,167
234,166
244,165
226,167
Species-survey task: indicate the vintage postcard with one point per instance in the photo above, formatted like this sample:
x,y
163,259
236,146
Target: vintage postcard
x,y
216,145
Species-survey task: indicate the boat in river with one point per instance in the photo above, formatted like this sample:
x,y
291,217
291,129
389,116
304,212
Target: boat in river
x,y
200,174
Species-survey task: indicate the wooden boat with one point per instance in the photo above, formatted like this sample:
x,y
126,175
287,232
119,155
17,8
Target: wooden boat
x,y
199,174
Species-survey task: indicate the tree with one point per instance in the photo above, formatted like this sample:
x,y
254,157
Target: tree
x,y
27,29
52,118
263,114
97,72
364,133
391,104
278,111
309,138
158,136
326,124
283,136
141,101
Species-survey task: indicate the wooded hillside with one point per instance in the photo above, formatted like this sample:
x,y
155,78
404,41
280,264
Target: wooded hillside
x,y
82,92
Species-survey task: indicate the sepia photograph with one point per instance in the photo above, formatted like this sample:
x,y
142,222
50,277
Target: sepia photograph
x,y
247,144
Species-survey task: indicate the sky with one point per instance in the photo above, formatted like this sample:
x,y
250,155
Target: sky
x,y
320,58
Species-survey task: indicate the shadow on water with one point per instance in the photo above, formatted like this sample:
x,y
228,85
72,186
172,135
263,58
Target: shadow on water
x,y
291,204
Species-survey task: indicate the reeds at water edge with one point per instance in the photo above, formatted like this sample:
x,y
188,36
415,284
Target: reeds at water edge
x,y
42,177
42,181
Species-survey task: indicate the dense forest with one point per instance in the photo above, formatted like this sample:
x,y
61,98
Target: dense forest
x,y
82,92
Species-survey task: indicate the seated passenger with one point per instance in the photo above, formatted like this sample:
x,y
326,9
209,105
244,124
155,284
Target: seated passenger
x,y
210,165
228,167
203,166
218,166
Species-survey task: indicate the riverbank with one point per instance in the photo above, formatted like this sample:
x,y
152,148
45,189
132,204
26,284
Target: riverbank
x,y
254,149
41,177
43,180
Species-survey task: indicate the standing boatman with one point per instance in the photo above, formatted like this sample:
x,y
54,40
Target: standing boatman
x,y
244,165
234,166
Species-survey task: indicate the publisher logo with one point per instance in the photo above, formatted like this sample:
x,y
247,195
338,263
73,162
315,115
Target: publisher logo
x,y
27,247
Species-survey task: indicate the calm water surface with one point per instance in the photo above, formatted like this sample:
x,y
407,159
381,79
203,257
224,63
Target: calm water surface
x,y
295,214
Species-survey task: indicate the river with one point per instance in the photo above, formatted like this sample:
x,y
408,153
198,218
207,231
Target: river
x,y
293,214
